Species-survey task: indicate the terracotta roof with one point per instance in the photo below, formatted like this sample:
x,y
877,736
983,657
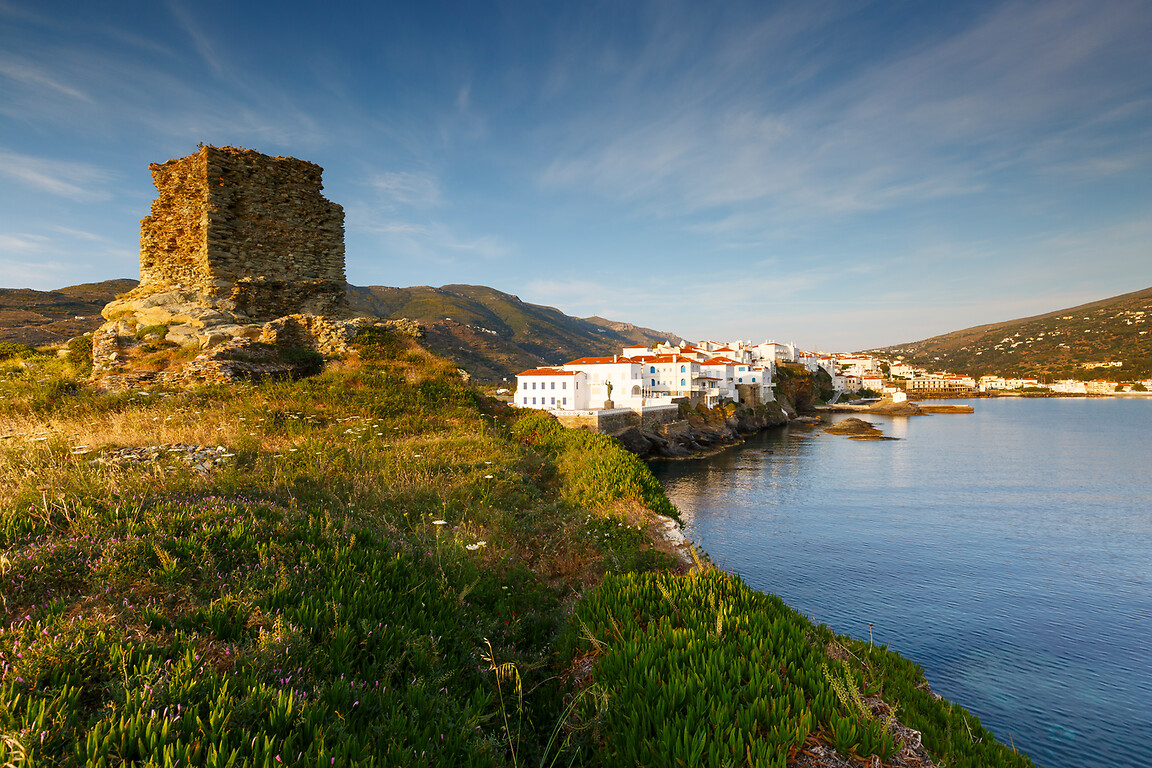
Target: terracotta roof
x,y
548,372
662,359
720,361
616,359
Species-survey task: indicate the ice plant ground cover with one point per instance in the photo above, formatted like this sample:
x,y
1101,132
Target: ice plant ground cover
x,y
383,569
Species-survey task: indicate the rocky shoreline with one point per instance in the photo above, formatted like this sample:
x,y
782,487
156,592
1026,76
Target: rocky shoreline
x,y
703,432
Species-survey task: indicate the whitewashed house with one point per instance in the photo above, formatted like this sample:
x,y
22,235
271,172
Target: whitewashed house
x,y
616,378
1069,387
553,389
672,375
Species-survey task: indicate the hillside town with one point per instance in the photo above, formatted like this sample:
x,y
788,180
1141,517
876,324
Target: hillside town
x,y
711,373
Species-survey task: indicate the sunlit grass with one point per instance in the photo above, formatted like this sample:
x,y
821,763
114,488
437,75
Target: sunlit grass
x,y
358,576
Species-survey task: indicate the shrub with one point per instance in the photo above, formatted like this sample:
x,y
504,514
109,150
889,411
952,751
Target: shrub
x,y
160,330
80,354
12,349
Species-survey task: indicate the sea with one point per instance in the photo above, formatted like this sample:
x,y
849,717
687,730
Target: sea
x,y
1007,551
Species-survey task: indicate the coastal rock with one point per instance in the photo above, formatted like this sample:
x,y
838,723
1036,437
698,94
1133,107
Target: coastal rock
x,y
888,407
703,430
852,426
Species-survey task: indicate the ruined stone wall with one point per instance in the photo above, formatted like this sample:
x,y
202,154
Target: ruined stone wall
x,y
174,238
247,228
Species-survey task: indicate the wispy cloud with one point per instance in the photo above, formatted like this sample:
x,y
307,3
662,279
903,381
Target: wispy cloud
x,y
29,75
22,243
40,275
744,148
78,181
200,40
432,241
407,188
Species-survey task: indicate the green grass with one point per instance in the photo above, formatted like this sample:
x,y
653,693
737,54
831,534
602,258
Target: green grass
x,y
383,570
701,670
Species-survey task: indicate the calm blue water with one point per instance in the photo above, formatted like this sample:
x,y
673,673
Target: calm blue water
x,y
1008,552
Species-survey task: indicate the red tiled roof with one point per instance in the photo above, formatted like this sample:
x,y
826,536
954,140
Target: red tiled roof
x,y
662,359
547,372
601,360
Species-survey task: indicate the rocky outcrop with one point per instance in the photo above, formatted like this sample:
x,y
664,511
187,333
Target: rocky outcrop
x,y
182,345
887,407
853,426
702,430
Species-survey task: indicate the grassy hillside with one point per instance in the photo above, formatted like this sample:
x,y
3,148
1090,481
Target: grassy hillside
x,y
493,334
35,318
376,566
1055,345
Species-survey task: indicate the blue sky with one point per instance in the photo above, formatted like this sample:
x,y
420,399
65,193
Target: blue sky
x,y
843,175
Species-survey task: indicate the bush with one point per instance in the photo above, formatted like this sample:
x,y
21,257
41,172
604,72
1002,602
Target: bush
x,y
80,354
12,349
160,330
595,469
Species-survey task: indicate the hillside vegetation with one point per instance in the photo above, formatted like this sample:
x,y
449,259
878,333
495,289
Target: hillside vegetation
x,y
493,335
490,334
1075,343
377,566
34,318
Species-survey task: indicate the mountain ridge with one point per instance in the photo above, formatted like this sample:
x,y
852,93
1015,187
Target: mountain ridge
x,y
1074,342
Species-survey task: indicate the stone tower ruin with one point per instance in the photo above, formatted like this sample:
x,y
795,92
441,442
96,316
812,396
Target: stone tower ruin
x,y
250,233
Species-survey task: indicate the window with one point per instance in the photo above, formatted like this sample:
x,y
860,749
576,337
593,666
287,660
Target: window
x,y
683,369
683,382
533,401
740,380
653,382
577,385
651,369
564,401
553,401
524,400
533,386
563,385
553,385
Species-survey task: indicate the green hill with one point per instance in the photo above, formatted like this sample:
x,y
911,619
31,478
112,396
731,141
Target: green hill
x,y
492,334
50,317
1078,343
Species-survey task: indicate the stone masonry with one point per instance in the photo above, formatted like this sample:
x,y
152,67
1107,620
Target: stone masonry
x,y
250,232
241,259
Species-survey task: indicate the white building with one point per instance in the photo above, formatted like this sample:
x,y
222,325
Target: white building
x,y
552,389
1069,387
858,364
673,375
618,379
900,371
